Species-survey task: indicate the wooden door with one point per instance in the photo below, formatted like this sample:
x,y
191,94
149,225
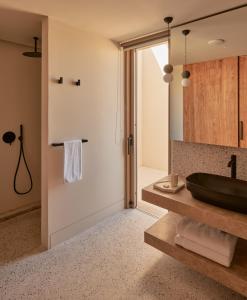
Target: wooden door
x,y
211,103
243,101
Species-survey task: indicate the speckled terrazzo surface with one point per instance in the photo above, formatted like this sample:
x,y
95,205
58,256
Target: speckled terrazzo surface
x,y
108,261
188,158
19,236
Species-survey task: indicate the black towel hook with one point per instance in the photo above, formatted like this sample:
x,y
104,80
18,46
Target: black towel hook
x,y
78,82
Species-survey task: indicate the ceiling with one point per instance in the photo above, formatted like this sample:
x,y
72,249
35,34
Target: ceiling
x,y
230,26
120,20
19,27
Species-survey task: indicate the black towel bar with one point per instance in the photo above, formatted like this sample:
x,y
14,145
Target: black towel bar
x,y
62,144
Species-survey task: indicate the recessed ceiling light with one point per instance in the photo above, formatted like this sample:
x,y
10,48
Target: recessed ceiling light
x,y
217,42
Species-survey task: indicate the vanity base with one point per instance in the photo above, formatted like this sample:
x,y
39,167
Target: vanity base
x,y
184,204
161,236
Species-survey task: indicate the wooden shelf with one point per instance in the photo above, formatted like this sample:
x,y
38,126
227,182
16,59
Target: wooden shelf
x,y
184,204
161,236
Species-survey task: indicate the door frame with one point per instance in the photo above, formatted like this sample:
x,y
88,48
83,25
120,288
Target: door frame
x,y
129,100
130,126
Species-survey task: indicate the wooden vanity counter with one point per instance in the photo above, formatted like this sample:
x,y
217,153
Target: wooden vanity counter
x,y
184,204
161,235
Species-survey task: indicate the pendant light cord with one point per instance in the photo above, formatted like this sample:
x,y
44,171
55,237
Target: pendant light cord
x,y
185,33
169,44
169,20
185,50
22,154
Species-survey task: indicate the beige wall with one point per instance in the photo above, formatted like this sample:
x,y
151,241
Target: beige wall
x,y
88,111
153,119
139,108
176,104
44,136
20,85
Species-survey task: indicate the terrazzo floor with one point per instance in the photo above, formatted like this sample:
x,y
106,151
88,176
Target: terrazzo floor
x,y
108,261
145,177
19,236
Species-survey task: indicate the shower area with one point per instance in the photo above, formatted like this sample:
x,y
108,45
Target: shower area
x,y
20,128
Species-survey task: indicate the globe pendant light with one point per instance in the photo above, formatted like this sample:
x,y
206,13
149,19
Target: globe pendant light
x,y
185,74
168,77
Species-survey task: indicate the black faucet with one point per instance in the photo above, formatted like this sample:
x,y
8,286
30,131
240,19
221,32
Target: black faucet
x,y
233,165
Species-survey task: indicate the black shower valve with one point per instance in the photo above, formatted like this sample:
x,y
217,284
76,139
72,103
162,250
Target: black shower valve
x,y
9,137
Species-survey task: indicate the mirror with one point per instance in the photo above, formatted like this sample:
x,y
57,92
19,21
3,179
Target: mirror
x,y
229,27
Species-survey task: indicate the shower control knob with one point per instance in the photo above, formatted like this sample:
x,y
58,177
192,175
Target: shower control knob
x,y
9,137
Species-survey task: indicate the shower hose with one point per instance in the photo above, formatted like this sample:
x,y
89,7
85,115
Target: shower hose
x,y
22,154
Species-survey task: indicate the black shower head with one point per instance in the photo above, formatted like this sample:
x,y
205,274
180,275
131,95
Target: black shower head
x,y
34,53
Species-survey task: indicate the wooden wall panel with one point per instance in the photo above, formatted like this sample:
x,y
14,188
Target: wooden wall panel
x,y
243,99
211,103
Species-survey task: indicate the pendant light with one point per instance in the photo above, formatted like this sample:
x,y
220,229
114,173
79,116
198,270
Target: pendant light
x,y
168,77
186,74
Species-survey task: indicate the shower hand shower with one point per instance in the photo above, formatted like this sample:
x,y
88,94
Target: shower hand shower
x,y
22,154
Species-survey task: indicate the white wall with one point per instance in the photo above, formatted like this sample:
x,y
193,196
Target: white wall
x,y
88,111
20,85
153,113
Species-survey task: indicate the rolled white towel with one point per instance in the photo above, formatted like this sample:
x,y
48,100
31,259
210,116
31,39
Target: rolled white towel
x,y
204,251
211,238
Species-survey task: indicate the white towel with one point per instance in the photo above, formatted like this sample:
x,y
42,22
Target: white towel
x,y
72,161
205,240
212,238
204,251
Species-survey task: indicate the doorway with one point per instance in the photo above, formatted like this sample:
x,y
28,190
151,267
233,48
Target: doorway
x,y
147,121
152,162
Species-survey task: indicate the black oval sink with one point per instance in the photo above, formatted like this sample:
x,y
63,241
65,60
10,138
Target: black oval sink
x,y
219,190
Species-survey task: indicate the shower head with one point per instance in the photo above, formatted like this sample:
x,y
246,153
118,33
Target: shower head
x,y
34,53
